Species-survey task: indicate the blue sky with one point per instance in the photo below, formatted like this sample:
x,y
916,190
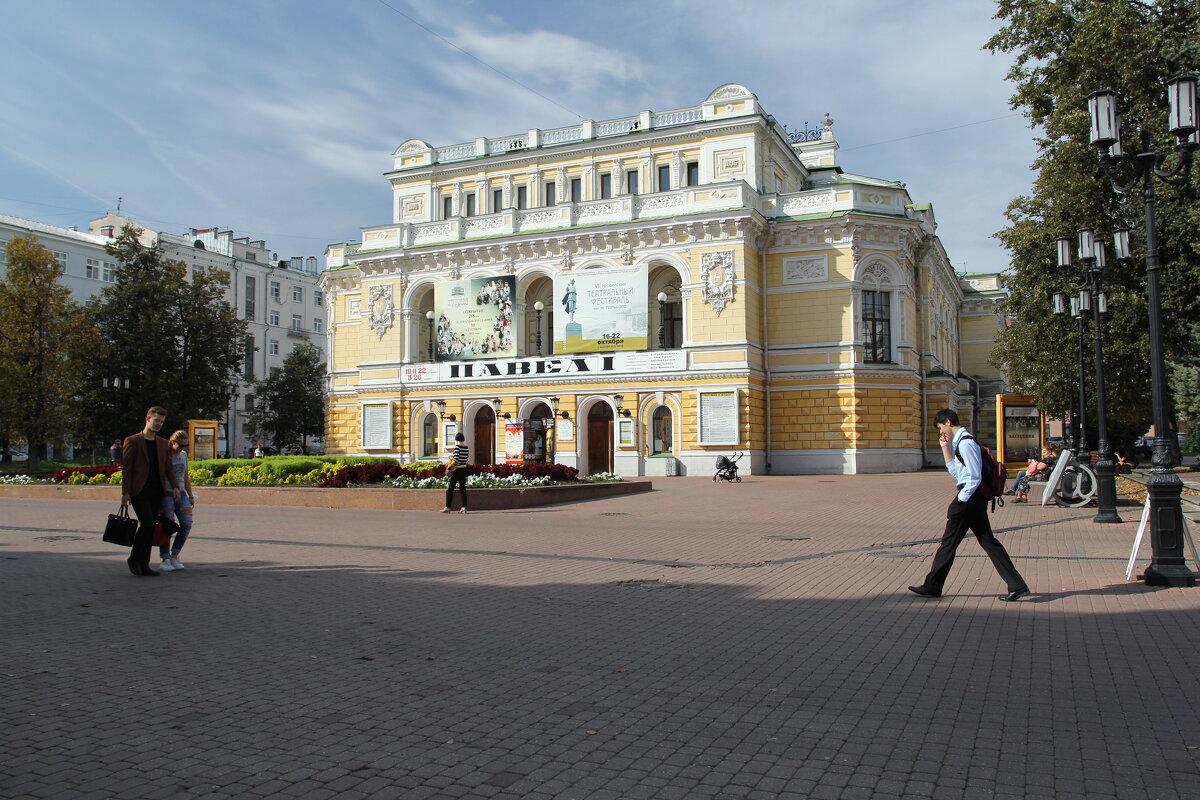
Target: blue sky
x,y
277,118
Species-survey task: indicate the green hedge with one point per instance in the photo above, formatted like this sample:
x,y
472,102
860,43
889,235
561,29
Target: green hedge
x,y
282,466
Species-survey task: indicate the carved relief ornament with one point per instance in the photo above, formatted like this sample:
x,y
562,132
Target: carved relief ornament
x,y
380,309
718,276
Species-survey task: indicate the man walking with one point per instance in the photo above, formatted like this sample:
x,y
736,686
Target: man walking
x,y
968,510
144,478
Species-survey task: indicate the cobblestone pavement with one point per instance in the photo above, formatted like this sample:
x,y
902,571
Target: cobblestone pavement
x,y
750,640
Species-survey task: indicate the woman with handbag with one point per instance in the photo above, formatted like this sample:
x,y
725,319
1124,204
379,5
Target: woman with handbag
x,y
181,506
457,473
144,480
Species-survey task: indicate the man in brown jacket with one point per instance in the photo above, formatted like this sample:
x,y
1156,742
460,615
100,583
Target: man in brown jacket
x,y
145,460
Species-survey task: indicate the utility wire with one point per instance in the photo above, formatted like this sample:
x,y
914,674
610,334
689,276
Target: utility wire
x,y
927,133
499,72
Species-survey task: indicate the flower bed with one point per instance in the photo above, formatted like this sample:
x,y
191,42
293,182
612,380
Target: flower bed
x,y
431,474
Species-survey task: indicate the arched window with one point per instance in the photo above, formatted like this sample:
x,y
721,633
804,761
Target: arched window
x,y
876,315
660,434
429,436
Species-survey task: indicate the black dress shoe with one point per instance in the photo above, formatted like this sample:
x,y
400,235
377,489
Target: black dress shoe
x,y
145,571
921,590
134,567
1015,594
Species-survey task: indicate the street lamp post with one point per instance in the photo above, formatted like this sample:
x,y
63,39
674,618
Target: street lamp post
x,y
662,320
537,307
1091,297
1076,440
1163,488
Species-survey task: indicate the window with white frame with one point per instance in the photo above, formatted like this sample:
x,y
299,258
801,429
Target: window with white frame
x,y
297,322
3,252
877,326
273,318
429,436
92,269
317,326
273,347
318,297
693,173
275,293
109,273
298,294
664,177
61,258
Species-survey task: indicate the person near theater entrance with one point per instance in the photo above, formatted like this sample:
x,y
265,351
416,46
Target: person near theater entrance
x,y
458,474
968,511
145,476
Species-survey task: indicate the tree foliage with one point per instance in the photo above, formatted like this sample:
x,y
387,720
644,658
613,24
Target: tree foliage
x,y
173,336
289,404
1064,50
43,333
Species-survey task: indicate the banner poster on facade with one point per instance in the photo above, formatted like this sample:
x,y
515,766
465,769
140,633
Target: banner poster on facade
x,y
514,442
600,310
475,318
377,425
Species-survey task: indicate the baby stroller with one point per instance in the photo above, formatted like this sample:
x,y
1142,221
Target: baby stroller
x,y
727,468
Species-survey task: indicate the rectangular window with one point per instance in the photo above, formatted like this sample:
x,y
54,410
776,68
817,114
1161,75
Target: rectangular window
x,y
318,297
317,325
61,258
298,294
447,207
693,173
297,322
249,402
273,347
109,273
672,322
252,256
497,200
550,194
576,190
877,326
471,204
631,182
3,252
250,291
275,294
248,365
522,197
664,178
605,186
273,317
93,269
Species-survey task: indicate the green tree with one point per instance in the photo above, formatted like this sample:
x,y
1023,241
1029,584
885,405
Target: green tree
x,y
1064,50
41,329
173,336
289,404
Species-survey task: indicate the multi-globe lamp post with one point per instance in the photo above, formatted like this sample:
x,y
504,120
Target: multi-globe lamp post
x,y
1091,297
1126,173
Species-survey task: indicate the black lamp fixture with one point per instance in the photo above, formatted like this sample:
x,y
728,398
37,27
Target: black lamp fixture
x,y
662,320
1092,298
538,306
1126,173
441,407
554,409
429,319
496,406
618,399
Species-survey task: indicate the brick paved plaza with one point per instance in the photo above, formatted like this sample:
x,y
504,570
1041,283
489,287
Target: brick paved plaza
x,y
751,640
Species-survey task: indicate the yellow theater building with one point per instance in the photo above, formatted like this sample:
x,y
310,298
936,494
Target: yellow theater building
x,y
642,294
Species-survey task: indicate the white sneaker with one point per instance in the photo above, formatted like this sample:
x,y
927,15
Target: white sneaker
x,y
167,565
176,563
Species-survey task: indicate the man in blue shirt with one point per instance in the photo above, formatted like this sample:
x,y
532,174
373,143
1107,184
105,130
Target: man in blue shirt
x,y
968,511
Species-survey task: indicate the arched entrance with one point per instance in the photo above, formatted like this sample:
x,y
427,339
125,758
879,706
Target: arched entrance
x,y
536,444
599,439
485,436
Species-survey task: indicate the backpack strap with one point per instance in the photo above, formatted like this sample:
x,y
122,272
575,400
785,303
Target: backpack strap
x,y
959,457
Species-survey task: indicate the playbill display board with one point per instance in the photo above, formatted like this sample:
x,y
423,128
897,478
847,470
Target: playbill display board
x,y
475,318
600,310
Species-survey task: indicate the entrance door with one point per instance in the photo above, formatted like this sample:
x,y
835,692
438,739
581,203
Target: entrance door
x,y
535,434
600,439
485,436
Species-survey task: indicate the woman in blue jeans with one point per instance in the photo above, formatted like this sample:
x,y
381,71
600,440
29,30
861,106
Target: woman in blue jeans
x,y
181,508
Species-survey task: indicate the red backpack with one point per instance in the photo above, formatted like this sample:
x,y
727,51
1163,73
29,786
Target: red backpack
x,y
991,487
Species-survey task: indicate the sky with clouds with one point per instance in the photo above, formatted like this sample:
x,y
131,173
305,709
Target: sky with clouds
x,y
277,118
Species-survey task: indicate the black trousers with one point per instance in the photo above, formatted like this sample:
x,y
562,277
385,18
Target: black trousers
x,y
459,477
961,517
145,507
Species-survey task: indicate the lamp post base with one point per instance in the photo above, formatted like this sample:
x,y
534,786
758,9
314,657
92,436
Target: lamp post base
x,y
1106,488
1167,566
